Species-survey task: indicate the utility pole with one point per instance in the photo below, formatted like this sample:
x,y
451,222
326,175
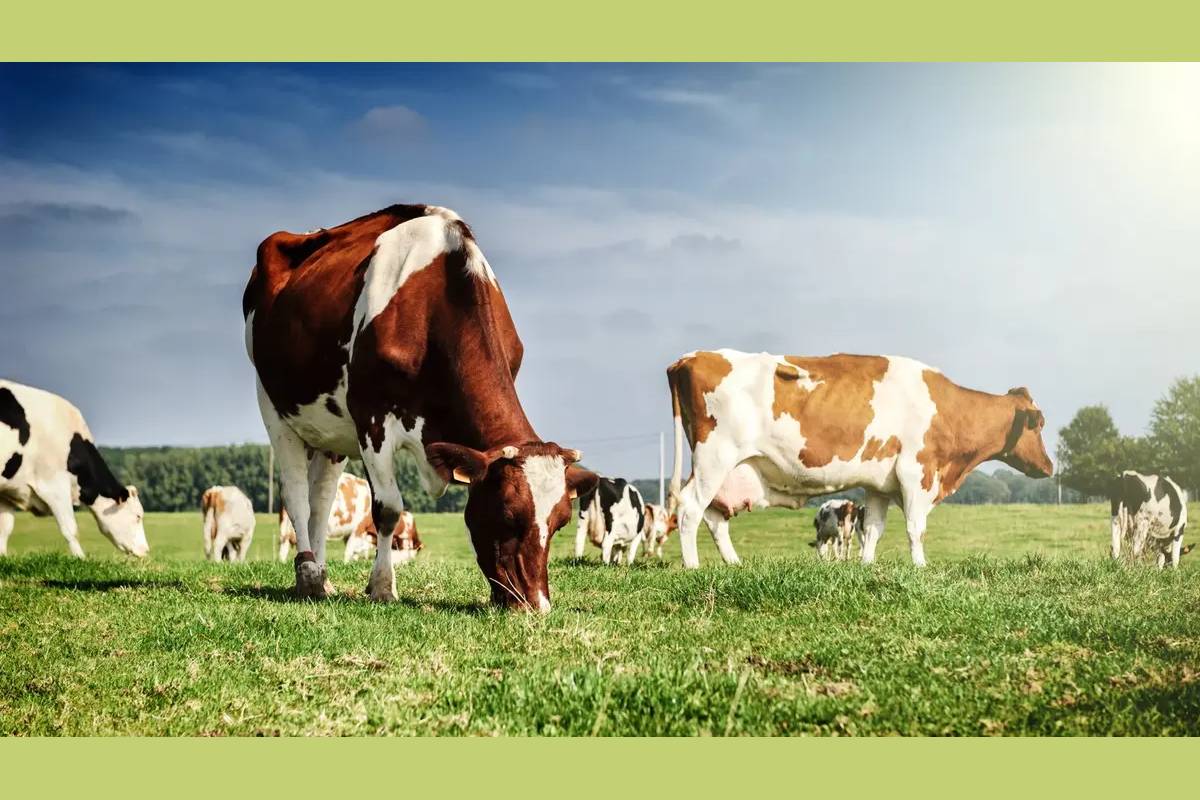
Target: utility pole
x,y
662,469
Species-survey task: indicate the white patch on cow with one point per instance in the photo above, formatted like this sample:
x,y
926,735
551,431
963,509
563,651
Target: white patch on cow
x,y
546,477
407,249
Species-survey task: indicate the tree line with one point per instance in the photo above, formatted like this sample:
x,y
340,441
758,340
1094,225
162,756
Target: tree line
x,y
174,478
1091,451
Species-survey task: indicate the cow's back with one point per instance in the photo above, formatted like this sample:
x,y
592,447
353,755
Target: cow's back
x,y
37,431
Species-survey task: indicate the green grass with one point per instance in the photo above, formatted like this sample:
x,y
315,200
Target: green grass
x,y
1019,626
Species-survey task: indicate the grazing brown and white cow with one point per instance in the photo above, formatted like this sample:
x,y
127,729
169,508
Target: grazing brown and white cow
x,y
391,333
49,464
350,521
1148,511
659,524
837,523
228,523
775,430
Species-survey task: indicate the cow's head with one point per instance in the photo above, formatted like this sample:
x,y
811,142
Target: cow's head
x,y
1024,449
519,496
120,520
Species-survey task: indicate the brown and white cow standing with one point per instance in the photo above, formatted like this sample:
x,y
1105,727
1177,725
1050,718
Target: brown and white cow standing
x,y
228,523
775,430
391,333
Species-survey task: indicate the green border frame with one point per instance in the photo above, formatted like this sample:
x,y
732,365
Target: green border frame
x,y
573,768
617,30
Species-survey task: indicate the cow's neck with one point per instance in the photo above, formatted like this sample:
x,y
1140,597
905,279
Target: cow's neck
x,y
990,433
485,411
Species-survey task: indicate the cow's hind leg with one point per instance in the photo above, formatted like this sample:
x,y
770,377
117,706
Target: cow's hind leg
x,y
718,525
877,506
293,482
7,520
1117,536
323,474
917,506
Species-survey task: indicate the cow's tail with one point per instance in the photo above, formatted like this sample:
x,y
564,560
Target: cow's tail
x,y
677,468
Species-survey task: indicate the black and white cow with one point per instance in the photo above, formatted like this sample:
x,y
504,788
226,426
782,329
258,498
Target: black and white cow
x,y
51,464
837,522
1148,511
612,516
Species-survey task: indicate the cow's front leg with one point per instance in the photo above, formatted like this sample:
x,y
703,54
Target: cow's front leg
x,y
876,516
718,525
386,507
606,548
1117,535
57,497
7,520
917,506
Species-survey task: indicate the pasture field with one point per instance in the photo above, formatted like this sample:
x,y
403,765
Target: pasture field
x,y
1020,625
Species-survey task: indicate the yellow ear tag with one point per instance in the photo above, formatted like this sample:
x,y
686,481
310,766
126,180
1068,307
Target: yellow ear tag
x,y
461,476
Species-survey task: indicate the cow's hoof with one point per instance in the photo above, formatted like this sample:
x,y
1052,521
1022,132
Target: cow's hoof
x,y
382,588
312,582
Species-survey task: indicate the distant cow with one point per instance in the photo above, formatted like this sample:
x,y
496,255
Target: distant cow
x,y
1148,511
612,516
50,464
837,523
390,333
658,526
350,520
228,523
775,430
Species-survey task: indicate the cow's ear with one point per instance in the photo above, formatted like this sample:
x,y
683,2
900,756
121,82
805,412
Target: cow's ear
x,y
456,463
132,491
580,481
1034,419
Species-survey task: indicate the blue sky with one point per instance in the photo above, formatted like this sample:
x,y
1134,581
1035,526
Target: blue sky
x,y
1011,224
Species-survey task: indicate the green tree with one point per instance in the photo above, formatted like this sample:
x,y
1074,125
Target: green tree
x,y
1175,432
1090,451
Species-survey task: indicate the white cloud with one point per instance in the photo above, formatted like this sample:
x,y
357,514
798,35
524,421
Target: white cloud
x,y
391,124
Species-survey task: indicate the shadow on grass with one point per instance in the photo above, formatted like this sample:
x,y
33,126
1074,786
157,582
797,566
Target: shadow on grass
x,y
87,585
278,594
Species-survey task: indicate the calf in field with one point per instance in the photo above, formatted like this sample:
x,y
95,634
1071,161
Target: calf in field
x,y
49,464
1148,511
613,518
837,523
228,523
390,333
775,430
658,527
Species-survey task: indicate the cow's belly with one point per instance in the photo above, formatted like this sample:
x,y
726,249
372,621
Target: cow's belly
x,y
323,430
